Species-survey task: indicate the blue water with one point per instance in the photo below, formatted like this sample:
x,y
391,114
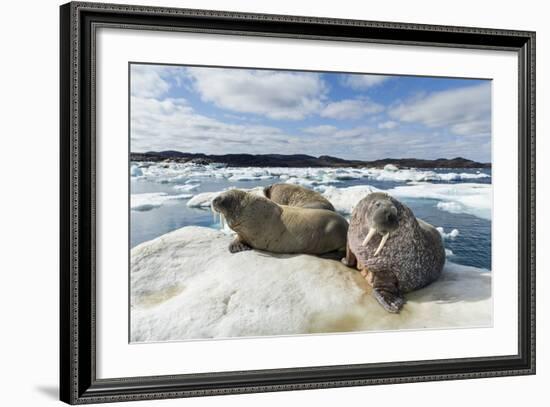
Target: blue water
x,y
472,247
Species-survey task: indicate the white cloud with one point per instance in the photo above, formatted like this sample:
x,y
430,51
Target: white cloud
x,y
390,124
464,111
350,109
323,129
161,122
172,124
147,81
275,94
362,81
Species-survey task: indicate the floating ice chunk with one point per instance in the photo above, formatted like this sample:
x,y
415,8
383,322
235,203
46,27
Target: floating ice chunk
x,y
187,187
175,172
302,181
152,200
470,198
186,285
135,171
202,200
449,253
453,207
245,177
474,199
451,235
345,199
403,175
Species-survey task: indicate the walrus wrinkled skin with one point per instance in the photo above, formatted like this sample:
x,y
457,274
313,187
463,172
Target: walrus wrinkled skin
x,y
395,251
262,224
296,195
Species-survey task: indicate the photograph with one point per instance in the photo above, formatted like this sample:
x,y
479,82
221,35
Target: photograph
x,y
270,202
249,199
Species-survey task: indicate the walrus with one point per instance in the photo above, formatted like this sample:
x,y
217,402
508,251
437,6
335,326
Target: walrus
x,y
395,251
296,195
265,225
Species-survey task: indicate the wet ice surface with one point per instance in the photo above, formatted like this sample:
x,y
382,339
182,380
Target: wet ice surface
x,y
186,285
168,196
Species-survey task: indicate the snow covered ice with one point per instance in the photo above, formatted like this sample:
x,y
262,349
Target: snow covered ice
x,y
186,285
474,199
148,201
176,172
451,235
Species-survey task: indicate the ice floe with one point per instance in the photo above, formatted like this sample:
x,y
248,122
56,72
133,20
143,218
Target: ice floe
x,y
470,198
202,200
186,285
465,197
135,171
187,187
473,199
451,235
345,199
175,172
453,207
152,200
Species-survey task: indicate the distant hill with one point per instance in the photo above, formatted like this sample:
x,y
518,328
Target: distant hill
x,y
300,160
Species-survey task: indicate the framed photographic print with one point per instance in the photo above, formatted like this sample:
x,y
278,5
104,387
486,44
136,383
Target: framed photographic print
x,y
255,203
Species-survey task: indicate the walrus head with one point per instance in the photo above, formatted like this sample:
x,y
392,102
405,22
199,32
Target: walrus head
x,y
230,205
382,217
241,208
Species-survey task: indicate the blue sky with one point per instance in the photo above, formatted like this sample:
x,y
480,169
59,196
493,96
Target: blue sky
x,y
353,116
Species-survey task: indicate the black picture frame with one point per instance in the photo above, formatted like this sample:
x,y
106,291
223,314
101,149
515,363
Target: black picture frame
x,y
78,381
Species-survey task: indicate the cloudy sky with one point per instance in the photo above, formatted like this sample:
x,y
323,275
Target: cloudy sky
x,y
354,116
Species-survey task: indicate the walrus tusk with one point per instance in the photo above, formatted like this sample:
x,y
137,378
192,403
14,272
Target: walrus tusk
x,y
218,216
371,233
382,243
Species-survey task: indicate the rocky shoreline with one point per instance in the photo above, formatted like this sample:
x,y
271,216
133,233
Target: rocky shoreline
x,y
299,160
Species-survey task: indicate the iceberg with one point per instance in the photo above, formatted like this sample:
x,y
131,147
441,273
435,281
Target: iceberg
x,y
345,199
453,207
135,171
202,200
470,198
175,172
152,200
186,285
187,187
451,235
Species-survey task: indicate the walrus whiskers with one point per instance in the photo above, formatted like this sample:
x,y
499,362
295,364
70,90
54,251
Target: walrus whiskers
x,y
218,216
214,213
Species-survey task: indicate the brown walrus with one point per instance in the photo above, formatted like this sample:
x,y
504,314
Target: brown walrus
x,y
395,251
296,195
265,225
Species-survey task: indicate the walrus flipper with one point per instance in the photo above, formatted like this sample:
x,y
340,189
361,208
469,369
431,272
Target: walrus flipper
x,y
386,291
350,260
237,245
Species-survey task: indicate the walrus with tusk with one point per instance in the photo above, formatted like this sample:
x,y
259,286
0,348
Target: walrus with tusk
x,y
395,251
263,224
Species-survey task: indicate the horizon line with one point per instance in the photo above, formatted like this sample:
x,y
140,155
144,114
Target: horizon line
x,y
309,155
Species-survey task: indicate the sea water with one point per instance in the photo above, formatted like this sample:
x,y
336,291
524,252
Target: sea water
x,y
170,186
